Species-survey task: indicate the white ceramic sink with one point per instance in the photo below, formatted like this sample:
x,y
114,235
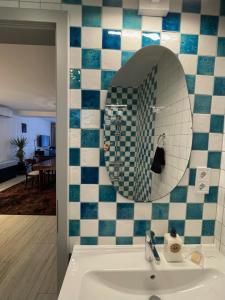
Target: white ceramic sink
x,y
111,273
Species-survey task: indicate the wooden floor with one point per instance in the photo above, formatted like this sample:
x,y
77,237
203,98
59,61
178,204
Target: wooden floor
x,y
28,257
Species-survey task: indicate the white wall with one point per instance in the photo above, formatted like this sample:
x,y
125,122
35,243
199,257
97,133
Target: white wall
x,y
11,127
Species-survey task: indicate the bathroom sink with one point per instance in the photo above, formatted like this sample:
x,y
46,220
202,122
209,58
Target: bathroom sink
x,y
122,273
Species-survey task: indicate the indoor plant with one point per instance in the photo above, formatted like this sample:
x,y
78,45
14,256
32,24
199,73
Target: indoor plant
x,y
20,143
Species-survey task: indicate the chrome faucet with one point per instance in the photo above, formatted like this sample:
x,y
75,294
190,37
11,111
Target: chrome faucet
x,y
151,254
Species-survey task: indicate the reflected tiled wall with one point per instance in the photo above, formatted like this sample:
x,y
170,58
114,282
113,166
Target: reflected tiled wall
x,y
102,39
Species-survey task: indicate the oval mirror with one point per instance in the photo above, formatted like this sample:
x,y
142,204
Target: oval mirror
x,y
148,125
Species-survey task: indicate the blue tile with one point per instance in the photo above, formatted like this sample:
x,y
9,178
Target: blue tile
x,y
222,7
102,157
160,211
74,118
171,22
194,211
150,38
124,240
106,78
90,99
74,227
221,46
74,193
111,39
131,19
90,138
214,159
209,25
71,1
89,240
107,228
113,3
206,65
140,227
89,210
190,80
125,210
178,225
208,227
91,58
75,36
192,6
200,141
189,44
212,196
179,194
219,86
126,55
159,240
216,123
107,193
202,104
74,156
75,78
89,175
192,240
192,176
91,16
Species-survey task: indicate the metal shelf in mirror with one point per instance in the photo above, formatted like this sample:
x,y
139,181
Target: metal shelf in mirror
x,y
148,125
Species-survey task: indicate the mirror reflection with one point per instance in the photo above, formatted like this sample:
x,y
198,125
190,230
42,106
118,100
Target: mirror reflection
x,y
148,125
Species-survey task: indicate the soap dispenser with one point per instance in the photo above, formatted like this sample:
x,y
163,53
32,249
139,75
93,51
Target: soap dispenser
x,y
173,247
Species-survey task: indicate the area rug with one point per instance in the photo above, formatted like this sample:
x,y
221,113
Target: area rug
x,y
18,200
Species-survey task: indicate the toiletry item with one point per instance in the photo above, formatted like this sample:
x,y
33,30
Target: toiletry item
x,y
173,247
196,256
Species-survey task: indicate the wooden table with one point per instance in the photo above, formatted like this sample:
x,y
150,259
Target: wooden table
x,y
46,165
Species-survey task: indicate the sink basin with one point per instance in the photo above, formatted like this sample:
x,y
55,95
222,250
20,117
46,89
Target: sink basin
x,y
122,273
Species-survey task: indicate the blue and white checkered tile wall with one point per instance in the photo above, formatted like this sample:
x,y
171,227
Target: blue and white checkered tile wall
x,y
103,36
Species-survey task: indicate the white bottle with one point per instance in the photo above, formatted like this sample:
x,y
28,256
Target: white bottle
x,y
173,247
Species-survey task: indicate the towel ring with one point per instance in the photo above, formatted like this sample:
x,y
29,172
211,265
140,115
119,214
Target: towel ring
x,y
161,137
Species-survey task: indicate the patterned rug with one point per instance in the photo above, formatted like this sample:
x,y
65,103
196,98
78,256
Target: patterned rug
x,y
17,200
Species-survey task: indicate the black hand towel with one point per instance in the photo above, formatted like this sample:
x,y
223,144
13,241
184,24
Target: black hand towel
x,y
158,160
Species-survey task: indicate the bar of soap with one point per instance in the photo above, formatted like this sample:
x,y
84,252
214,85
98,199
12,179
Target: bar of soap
x,y
196,257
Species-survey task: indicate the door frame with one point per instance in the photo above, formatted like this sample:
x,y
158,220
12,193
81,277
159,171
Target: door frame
x,y
60,19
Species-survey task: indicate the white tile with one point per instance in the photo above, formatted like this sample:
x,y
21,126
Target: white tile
x,y
131,40
175,6
214,177
193,197
160,227
218,105
74,137
75,98
138,240
171,40
91,79
152,24
209,7
89,157
53,6
201,122
190,23
74,13
122,199
75,57
209,211
90,118
91,37
124,227
92,2
223,161
74,210
177,211
73,240
215,141
111,59
106,240
185,178
103,176
107,211
198,158
130,4
207,45
103,95
193,227
221,196
222,178
207,239
204,84
223,146
219,66
218,229
89,227
189,63
142,211
112,17
50,1
89,193
74,175
30,5
221,31
223,235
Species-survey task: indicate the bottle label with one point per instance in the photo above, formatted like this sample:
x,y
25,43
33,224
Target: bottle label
x,y
174,248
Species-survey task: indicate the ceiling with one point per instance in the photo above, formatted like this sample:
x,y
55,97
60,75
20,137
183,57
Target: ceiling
x,y
27,67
